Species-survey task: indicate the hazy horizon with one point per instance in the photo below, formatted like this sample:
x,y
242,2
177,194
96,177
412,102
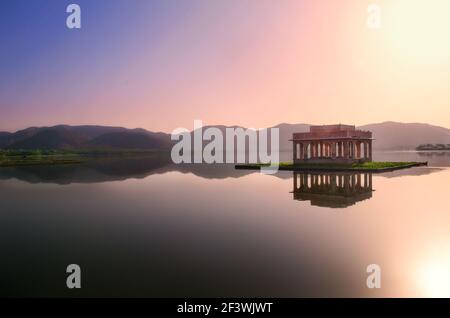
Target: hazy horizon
x,y
207,124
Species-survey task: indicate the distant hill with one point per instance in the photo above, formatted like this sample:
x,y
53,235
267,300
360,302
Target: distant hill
x,y
84,137
49,139
286,131
4,138
401,136
130,140
387,135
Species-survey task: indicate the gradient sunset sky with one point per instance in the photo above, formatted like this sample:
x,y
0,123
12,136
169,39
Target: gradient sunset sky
x,y
161,64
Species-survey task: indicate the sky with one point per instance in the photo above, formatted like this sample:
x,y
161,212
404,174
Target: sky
x,y
161,64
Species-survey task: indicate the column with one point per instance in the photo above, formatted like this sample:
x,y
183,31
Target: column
x,y
294,150
346,150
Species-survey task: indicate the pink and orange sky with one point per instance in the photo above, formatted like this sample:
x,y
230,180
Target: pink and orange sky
x,y
161,64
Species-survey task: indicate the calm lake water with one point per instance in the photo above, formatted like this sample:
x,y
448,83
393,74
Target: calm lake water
x,y
145,227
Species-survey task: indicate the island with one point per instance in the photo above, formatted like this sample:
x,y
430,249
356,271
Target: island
x,y
336,167
334,148
433,147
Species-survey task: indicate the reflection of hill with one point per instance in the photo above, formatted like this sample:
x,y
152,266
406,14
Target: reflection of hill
x,y
417,171
333,190
436,158
117,168
208,171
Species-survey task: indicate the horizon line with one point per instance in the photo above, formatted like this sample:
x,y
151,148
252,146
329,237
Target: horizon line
x,y
211,125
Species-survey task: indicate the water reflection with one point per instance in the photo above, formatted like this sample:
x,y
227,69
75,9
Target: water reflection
x,y
105,169
333,190
212,231
434,158
116,168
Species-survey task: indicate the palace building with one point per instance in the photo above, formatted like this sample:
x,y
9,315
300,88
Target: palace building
x,y
332,144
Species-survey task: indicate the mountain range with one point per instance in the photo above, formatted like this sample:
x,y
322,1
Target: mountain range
x,y
387,135
84,137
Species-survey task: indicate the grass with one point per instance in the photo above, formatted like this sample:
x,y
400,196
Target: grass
x,y
382,165
369,166
12,158
38,162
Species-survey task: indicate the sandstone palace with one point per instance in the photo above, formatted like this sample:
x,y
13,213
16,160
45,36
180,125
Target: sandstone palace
x,y
332,144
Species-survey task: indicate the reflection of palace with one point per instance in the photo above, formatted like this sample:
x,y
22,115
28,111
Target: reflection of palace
x,y
334,190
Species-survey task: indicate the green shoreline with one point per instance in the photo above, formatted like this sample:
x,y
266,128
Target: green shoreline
x,y
356,167
19,158
39,162
15,158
